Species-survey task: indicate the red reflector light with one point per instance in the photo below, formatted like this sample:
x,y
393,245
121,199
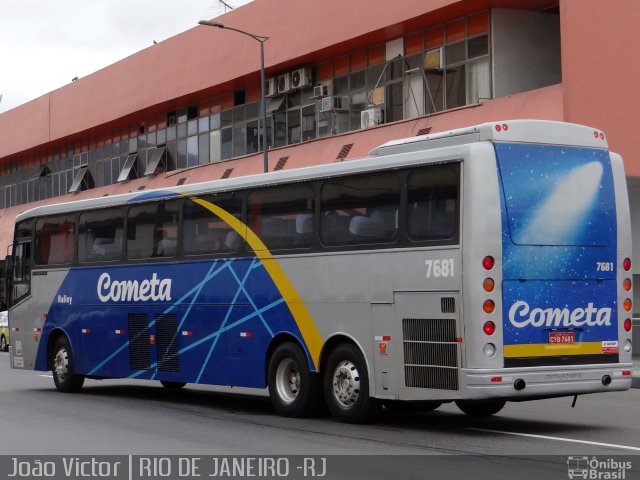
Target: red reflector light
x,y
488,262
496,379
626,373
488,306
626,264
489,328
626,284
488,284
627,325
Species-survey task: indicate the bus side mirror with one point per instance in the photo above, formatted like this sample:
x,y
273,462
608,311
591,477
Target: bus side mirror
x,y
8,264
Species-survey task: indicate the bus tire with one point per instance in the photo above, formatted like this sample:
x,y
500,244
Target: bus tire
x,y
64,377
294,390
481,408
346,386
172,385
4,346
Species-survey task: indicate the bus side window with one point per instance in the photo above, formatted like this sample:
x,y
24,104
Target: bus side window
x,y
433,202
55,240
282,217
204,232
360,210
100,235
152,230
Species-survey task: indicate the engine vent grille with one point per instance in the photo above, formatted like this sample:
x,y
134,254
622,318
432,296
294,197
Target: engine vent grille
x,y
139,349
448,305
430,353
167,343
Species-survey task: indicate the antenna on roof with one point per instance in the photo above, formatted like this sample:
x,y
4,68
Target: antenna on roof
x,y
225,5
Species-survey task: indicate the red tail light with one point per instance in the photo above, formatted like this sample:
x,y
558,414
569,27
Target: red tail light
x,y
626,264
488,262
489,328
627,325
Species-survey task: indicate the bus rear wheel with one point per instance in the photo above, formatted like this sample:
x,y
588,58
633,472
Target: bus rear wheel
x,y
346,386
64,376
294,390
481,408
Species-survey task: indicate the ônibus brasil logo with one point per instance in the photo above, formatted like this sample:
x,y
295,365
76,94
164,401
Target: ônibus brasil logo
x,y
522,315
133,291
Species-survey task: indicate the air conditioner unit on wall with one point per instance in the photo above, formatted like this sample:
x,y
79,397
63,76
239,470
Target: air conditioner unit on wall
x,y
370,117
334,103
271,87
284,83
322,89
301,78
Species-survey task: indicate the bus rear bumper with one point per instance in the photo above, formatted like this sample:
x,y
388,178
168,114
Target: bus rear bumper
x,y
544,382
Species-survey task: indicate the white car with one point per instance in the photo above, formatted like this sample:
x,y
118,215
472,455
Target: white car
x,y
4,331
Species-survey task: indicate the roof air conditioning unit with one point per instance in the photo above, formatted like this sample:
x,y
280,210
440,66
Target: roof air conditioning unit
x,y
284,83
331,103
370,117
301,78
271,87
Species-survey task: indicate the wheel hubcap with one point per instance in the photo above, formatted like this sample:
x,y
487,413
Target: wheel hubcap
x,y
288,380
346,383
61,364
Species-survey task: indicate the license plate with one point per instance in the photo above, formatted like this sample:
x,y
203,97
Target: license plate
x,y
562,337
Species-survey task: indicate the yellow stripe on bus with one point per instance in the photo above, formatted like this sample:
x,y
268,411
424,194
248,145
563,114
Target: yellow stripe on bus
x,y
549,350
298,309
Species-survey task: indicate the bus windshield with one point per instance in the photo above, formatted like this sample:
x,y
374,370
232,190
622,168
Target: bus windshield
x,y
557,195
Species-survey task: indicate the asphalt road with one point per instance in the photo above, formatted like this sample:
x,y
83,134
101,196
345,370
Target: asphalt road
x,y
142,418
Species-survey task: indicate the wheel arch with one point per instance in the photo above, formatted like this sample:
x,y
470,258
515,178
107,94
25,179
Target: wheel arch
x,y
338,339
276,341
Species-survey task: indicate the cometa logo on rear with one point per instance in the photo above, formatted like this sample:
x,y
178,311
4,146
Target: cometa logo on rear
x,y
522,315
154,289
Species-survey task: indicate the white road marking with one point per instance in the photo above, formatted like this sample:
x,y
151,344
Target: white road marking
x,y
560,439
46,376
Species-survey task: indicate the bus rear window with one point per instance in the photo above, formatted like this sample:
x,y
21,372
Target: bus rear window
x,y
557,195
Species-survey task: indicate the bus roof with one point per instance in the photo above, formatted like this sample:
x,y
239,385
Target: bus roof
x,y
518,131
532,131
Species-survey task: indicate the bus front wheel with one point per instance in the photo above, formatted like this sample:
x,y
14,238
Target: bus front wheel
x,y
64,377
346,386
481,408
294,391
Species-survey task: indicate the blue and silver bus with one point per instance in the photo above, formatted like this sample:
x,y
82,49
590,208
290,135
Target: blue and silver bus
x,y
482,265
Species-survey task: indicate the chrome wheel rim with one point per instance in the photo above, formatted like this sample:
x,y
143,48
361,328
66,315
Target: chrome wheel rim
x,y
346,384
61,364
288,380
